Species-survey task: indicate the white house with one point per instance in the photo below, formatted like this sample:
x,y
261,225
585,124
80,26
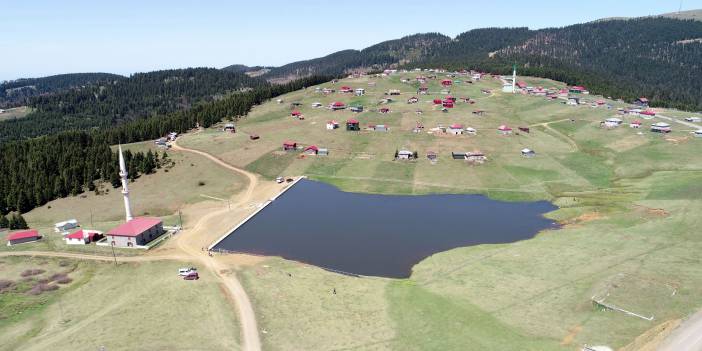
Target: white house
x,y
471,131
455,129
573,101
331,125
61,227
694,119
528,153
698,133
316,104
360,91
405,154
612,122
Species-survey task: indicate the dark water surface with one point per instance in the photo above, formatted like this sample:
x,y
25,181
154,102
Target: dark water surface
x,y
380,235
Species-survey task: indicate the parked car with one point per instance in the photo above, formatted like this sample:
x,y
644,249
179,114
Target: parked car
x,y
279,180
185,271
192,276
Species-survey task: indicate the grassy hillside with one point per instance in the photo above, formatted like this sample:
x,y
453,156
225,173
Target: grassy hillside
x,y
111,306
625,195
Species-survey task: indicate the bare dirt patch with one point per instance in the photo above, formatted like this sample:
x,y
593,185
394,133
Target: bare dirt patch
x,y
650,212
572,333
583,218
652,338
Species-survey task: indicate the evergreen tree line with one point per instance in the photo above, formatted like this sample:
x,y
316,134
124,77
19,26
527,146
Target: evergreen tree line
x,y
110,103
13,221
18,92
38,170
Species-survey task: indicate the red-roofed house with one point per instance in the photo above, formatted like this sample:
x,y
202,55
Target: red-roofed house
x,y
23,237
346,89
503,129
577,89
136,232
289,145
311,150
521,85
648,113
338,105
447,82
82,237
296,113
455,129
437,101
353,124
447,104
450,98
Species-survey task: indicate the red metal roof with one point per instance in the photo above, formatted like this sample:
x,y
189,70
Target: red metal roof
x,y
437,101
289,143
456,126
504,127
648,113
135,227
312,147
32,233
352,121
577,87
76,235
296,113
339,103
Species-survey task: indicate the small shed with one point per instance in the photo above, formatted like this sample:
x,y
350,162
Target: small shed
x,y
331,125
458,155
323,152
357,108
25,236
413,100
635,124
432,156
65,225
337,105
528,153
476,157
573,101
380,128
447,104
384,110
393,92
353,124
504,130
229,127
360,91
289,145
296,113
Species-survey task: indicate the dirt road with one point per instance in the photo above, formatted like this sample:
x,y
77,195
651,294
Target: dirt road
x,y
687,337
186,243
79,256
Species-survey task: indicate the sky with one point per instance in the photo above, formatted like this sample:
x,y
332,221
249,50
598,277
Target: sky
x,y
45,37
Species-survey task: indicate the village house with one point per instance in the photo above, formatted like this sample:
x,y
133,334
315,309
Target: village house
x,y
447,104
528,153
296,114
384,110
660,127
641,102
455,129
521,85
311,150
357,108
504,130
83,237
648,114
360,91
393,92
353,125
447,82
413,100
345,89
612,122
475,157
693,119
635,124
323,152
337,105
327,91
229,127
405,155
470,131
135,232
577,89
61,227
289,145
316,104
422,90
507,87
331,125
22,237
172,136
698,133
379,128
573,101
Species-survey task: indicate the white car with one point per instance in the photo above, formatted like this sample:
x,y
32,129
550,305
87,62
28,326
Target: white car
x,y
693,119
185,271
279,180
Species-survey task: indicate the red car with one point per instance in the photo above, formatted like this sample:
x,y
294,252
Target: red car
x,y
192,276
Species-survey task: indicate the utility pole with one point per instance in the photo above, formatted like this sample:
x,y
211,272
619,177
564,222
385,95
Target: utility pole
x,y
91,218
180,219
112,245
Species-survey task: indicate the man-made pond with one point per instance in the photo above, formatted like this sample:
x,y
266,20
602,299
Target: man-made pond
x,y
380,235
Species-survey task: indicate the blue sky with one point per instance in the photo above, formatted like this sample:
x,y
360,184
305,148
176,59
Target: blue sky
x,y
44,37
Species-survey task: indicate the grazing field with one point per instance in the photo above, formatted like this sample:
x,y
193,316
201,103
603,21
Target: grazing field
x,y
627,200
162,194
15,113
132,306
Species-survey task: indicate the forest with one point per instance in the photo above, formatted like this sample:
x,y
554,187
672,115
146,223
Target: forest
x,y
112,103
18,92
37,170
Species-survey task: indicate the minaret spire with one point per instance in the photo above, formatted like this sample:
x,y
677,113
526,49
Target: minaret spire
x,y
514,77
125,189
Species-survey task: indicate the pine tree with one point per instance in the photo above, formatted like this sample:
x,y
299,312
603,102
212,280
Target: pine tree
x,y
20,223
4,223
12,221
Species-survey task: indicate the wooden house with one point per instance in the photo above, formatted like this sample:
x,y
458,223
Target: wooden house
x,y
405,155
455,129
384,110
504,130
413,100
331,125
635,124
289,145
641,102
353,125
357,108
660,127
311,150
230,127
360,91
337,105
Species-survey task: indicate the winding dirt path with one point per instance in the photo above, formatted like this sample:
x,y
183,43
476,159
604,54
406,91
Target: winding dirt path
x,y
249,330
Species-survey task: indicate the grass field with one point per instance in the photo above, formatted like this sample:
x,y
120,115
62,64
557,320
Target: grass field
x,y
161,194
628,200
126,307
15,113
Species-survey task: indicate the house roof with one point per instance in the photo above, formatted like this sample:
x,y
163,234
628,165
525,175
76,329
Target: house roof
x,y
312,147
527,151
577,87
296,113
642,99
289,142
504,127
333,122
456,126
135,227
352,121
32,233
338,103
648,113
405,152
636,121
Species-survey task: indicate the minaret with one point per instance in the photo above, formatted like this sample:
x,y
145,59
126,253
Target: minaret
x,y
514,78
125,189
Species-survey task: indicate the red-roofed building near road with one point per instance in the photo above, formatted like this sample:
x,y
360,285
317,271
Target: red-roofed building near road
x,y
437,101
82,237
311,150
648,113
503,129
353,125
289,145
521,85
338,105
296,113
447,104
136,232
23,237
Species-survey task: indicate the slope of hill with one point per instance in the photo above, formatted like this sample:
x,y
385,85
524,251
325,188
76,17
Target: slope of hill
x,y
115,102
17,92
392,52
685,15
626,58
